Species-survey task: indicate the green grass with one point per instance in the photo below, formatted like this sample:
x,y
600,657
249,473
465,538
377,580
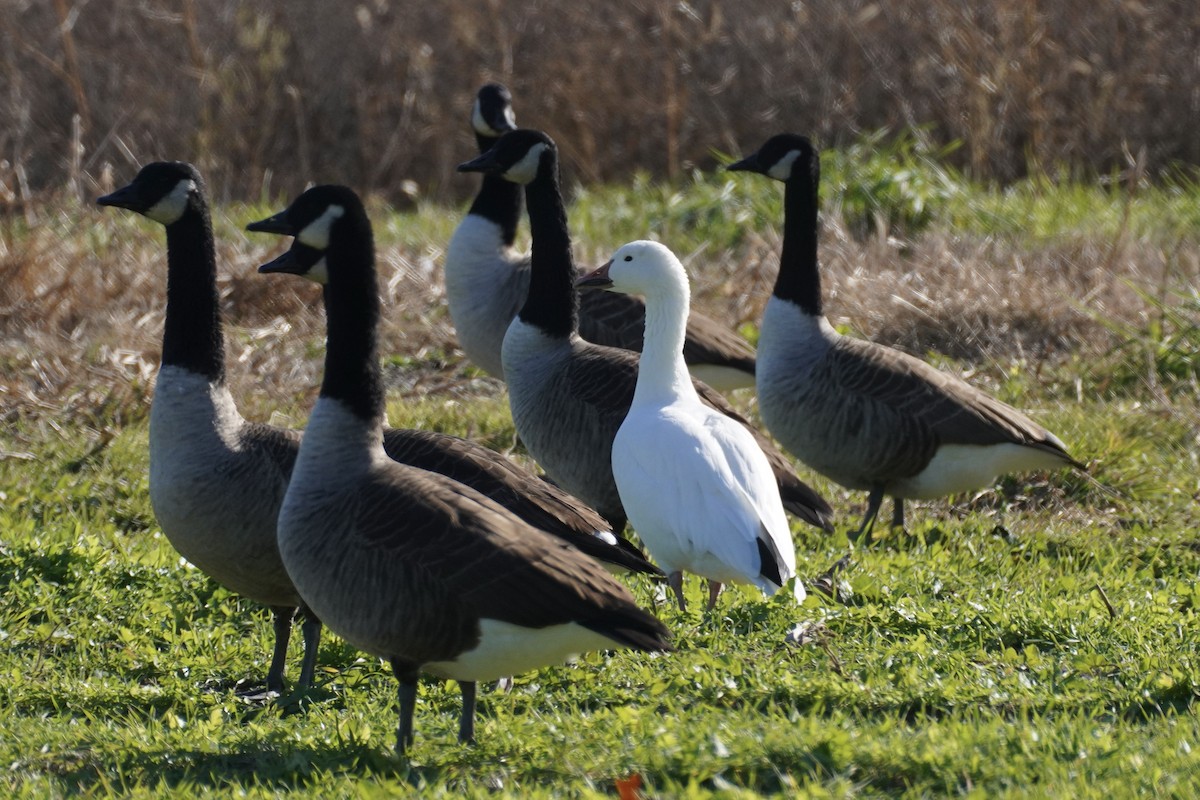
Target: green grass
x,y
1039,638
976,655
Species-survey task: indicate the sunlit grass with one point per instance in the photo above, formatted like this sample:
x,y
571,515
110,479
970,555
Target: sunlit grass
x,y
1037,638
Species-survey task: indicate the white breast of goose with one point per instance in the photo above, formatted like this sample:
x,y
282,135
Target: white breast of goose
x,y
567,436
216,501
486,283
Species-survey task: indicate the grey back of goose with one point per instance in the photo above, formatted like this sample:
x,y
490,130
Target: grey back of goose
x,y
863,414
487,280
569,396
404,563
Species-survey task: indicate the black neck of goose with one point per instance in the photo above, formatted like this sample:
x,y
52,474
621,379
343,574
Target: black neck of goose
x,y
352,311
498,201
192,337
799,279
552,303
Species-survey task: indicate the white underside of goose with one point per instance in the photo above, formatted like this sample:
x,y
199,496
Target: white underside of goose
x,y
507,649
959,468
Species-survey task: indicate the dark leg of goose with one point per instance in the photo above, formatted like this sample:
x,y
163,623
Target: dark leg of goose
x,y
874,501
898,513
714,589
311,628
466,723
283,634
407,676
675,581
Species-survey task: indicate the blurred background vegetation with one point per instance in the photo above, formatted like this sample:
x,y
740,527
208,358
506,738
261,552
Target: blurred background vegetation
x,y
270,95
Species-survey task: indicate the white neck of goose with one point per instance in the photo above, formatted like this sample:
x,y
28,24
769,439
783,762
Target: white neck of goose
x,y
662,375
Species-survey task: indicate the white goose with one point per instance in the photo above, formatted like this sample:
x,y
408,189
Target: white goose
x,y
860,413
696,485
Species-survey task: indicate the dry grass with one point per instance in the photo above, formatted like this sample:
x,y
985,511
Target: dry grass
x,y
267,96
82,292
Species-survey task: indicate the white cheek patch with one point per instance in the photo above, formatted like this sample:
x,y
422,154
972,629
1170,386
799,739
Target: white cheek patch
x,y
782,169
316,233
318,272
481,125
525,170
171,207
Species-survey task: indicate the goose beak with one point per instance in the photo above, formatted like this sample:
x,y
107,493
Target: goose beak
x,y
276,223
125,197
596,279
485,162
747,164
286,263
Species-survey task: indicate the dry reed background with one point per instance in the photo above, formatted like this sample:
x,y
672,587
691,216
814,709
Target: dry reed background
x,y
266,97
373,93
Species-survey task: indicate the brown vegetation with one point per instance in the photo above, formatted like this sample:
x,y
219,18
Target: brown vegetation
x,y
267,96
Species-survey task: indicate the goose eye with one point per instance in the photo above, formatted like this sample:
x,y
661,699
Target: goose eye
x,y
629,258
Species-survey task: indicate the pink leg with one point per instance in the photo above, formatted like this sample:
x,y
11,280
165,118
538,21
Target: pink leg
x,y
675,581
714,589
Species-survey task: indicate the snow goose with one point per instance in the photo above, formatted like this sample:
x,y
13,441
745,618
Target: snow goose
x,y
404,563
568,396
865,415
487,279
217,481
697,487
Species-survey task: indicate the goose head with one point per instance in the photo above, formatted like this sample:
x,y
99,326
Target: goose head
x,y
781,158
517,156
641,267
161,191
315,219
493,115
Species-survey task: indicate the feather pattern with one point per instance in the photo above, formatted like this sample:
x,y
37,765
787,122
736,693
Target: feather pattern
x,y
487,281
865,415
409,564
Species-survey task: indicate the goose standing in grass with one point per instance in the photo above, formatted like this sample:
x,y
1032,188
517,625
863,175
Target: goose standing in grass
x,y
568,396
217,481
697,487
487,280
404,563
865,415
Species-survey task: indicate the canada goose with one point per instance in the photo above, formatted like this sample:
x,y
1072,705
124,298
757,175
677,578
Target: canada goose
x,y
865,415
407,564
696,485
568,396
487,279
217,481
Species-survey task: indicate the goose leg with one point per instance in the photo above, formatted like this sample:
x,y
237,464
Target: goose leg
x,y
898,513
675,581
466,723
408,702
714,589
283,634
311,628
874,501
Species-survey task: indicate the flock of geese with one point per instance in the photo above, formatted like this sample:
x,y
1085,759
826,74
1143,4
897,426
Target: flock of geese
x,y
444,557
